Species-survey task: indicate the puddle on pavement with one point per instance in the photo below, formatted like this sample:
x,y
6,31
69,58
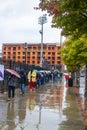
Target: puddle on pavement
x,y
51,109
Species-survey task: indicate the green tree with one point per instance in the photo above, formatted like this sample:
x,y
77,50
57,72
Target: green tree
x,y
70,15
74,52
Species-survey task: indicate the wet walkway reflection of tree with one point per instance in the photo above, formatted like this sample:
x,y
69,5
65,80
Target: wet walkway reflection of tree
x,y
50,107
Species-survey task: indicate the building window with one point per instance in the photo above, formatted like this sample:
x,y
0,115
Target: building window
x,y
38,53
23,53
39,48
14,53
58,62
4,48
29,47
52,48
53,53
44,48
9,53
23,57
34,48
14,48
9,48
52,62
49,57
28,62
38,57
58,58
28,53
33,62
33,53
43,53
18,53
14,57
38,62
49,48
4,52
33,57
53,58
18,57
8,57
49,53
28,57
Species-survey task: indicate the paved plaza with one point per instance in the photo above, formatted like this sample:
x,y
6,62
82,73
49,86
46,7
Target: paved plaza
x,y
53,106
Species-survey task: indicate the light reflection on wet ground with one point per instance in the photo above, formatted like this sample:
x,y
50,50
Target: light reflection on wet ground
x,y
51,107
82,100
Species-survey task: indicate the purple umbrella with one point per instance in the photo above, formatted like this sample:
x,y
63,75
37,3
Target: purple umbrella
x,y
1,75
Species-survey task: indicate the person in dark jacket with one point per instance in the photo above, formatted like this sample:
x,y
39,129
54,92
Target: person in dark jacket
x,y
70,82
22,82
11,87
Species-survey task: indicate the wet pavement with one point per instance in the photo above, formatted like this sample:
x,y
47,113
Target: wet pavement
x,y
53,106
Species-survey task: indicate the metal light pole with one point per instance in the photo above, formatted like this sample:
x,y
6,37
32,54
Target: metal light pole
x,y
25,47
42,20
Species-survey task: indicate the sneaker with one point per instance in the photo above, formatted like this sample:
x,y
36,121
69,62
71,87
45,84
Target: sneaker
x,y
23,94
9,99
20,93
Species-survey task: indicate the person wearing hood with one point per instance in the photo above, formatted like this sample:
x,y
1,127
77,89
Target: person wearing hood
x,y
11,87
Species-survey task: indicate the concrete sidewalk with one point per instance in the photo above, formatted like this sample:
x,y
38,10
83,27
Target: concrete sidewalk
x,y
53,106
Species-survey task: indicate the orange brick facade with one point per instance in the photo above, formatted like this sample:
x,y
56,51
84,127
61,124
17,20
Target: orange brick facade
x,y
16,52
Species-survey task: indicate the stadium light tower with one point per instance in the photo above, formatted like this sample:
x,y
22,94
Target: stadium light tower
x,y
42,20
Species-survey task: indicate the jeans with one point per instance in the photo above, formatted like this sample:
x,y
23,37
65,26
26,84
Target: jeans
x,y
22,87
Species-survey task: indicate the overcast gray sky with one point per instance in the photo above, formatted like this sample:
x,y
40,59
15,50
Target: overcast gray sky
x,y
19,23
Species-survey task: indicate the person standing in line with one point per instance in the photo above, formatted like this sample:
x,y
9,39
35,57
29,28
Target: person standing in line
x,y
11,87
30,83
22,82
70,82
34,75
66,77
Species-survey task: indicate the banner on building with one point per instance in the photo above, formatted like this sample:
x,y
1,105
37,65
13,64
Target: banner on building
x,y
1,72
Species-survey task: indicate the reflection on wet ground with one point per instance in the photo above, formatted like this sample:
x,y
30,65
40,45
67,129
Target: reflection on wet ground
x,y
82,100
50,107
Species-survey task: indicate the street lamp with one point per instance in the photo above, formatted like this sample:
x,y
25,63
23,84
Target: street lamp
x,y
42,20
25,47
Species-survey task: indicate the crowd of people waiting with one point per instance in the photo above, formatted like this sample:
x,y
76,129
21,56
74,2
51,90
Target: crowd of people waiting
x,y
33,79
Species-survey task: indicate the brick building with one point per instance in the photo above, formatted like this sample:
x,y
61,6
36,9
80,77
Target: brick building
x,y
16,52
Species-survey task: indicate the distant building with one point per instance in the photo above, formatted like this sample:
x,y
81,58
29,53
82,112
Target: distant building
x,y
16,52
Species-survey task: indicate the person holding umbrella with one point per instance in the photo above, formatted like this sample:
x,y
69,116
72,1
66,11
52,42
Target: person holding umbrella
x,y
11,87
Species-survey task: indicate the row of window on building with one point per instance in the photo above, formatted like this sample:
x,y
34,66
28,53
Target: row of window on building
x,y
17,53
